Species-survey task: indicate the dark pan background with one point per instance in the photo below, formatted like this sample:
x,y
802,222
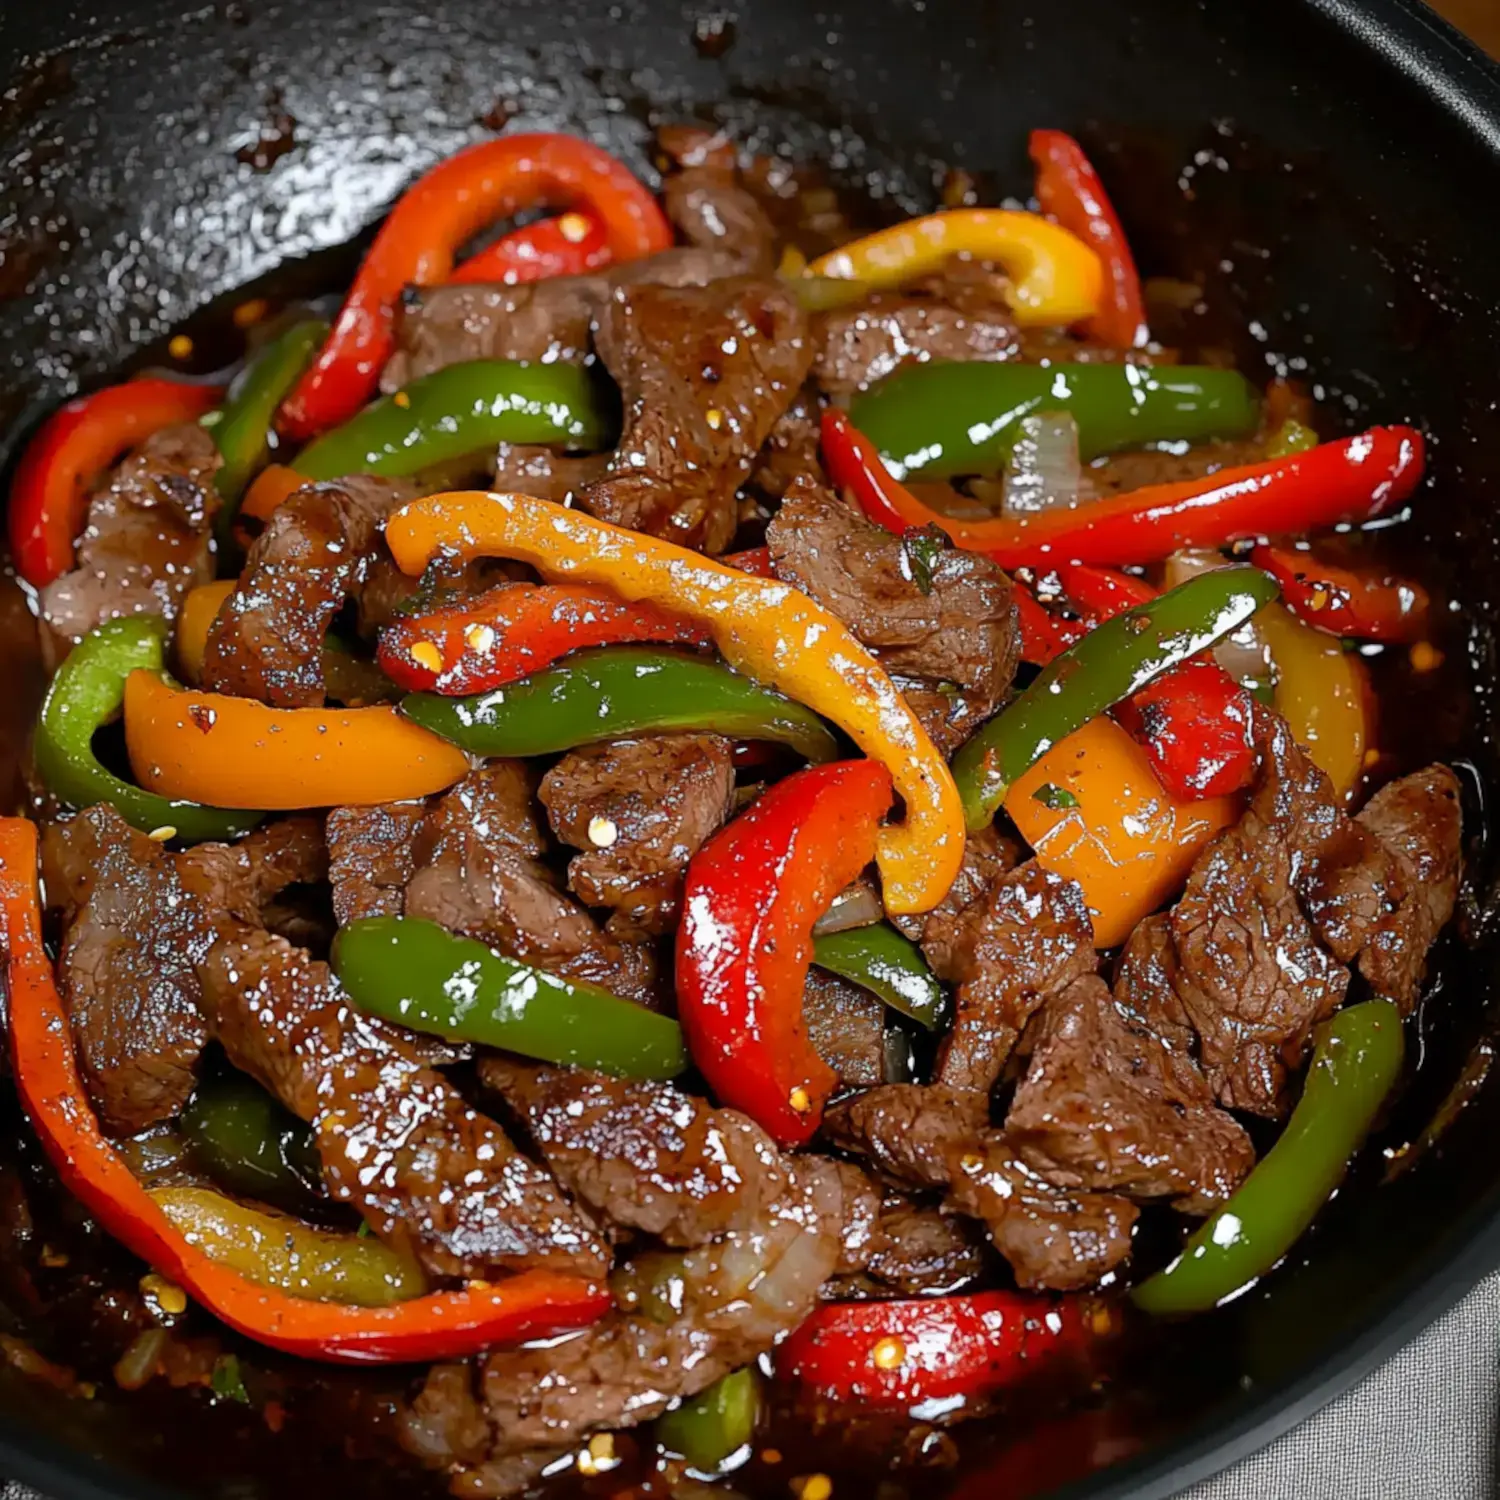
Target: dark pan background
x,y
1326,168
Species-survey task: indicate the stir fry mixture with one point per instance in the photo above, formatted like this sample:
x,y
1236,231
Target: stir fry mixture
x,y
690,809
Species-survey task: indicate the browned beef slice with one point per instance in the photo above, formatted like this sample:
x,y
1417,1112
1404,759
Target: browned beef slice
x,y
1107,1104
1053,1239
639,809
906,1131
316,551
988,855
526,470
243,879
1145,984
396,1139
712,210
644,1156
371,859
790,451
682,1322
148,537
541,321
846,1025
942,621
477,871
704,373
921,1252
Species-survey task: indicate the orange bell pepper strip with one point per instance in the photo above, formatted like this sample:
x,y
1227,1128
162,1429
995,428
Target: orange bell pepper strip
x,y
1093,811
277,759
268,489
1056,279
441,1325
763,627
193,622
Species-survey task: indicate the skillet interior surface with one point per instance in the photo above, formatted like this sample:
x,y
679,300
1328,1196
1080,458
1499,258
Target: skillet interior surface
x,y
1315,169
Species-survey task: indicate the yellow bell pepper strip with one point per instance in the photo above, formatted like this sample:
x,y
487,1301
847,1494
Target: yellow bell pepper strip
x,y
1056,279
193,621
764,628
276,759
1093,811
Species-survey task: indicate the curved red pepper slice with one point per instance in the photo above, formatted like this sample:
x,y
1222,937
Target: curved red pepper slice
x,y
514,630
751,897
1044,635
1343,602
1069,191
442,1325
417,244
49,494
572,244
897,1355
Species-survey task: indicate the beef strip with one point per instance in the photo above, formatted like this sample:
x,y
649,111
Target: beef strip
x,y
908,1132
639,809
846,1025
1106,1104
713,211
396,1139
317,551
988,855
944,627
523,469
920,1252
704,373
371,859
683,1321
790,451
148,538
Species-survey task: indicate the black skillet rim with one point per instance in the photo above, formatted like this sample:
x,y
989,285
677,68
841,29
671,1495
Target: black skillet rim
x,y
1463,82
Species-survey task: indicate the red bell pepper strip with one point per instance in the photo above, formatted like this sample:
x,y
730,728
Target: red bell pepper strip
x,y
896,1355
572,244
1353,479
1043,634
417,243
754,560
514,630
1069,191
745,943
49,494
1102,593
442,1325
1344,602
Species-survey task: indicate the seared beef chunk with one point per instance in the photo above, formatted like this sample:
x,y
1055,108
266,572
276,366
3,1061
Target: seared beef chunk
x,y
908,1132
714,212
1144,985
396,1139
846,1025
526,470
1133,471
644,1156
148,538
940,620
639,809
316,551
1107,1104
682,1322
988,855
920,1252
371,859
704,373
790,451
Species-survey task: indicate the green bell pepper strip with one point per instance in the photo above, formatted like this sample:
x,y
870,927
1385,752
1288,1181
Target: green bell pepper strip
x,y
709,1428
1356,1060
421,975
460,410
886,963
243,428
614,690
249,1145
1111,662
89,690
936,420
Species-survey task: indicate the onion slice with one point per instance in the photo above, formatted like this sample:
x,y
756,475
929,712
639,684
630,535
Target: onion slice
x,y
1044,472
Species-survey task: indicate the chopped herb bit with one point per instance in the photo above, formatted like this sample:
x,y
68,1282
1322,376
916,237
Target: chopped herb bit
x,y
364,1231
922,550
226,1380
1055,797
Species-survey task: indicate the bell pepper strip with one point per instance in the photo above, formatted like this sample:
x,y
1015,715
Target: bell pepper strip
x,y
1291,436
711,1427
764,628
934,421
1322,692
184,742
1194,724
1101,593
572,244
616,690
889,965
76,444
515,629
1357,1059
1111,662
267,491
749,901
756,560
1341,601
200,607
243,431
1094,811
441,1325
1069,191
274,1251
420,975
1056,279
434,218
87,691
462,409
938,1351
1044,635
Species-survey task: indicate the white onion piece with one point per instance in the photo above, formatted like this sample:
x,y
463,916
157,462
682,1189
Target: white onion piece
x,y
857,905
1044,472
1243,654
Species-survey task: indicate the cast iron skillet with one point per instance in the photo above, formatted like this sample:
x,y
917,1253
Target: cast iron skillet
x,y
1321,164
